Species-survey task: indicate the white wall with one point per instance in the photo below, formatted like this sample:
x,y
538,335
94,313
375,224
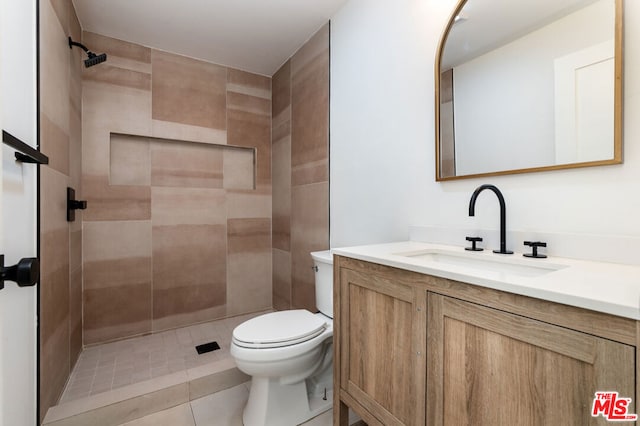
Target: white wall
x,y
381,118
382,140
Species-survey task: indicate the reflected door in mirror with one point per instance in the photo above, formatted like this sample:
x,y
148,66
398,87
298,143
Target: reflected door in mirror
x,y
529,85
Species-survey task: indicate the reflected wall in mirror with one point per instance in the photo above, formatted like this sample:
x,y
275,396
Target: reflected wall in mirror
x,y
529,85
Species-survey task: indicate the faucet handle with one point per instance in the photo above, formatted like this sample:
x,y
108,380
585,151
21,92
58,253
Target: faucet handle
x,y
534,245
473,247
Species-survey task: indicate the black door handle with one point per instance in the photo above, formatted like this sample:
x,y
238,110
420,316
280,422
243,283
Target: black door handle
x,y
26,272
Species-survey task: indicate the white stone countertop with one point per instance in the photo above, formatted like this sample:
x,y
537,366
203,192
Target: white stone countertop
x,y
604,287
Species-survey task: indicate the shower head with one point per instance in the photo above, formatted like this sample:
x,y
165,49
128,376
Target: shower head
x,y
93,59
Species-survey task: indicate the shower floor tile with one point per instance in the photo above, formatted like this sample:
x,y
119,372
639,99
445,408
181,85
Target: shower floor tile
x,y
112,365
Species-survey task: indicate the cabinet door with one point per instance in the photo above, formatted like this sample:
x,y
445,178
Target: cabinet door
x,y
382,339
489,367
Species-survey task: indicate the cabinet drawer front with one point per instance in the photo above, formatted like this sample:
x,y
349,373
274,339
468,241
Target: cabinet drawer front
x,y
496,368
379,349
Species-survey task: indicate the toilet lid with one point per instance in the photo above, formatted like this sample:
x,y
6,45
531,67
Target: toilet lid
x,y
279,329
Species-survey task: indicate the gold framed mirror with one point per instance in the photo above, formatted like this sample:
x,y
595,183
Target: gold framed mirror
x,y
528,85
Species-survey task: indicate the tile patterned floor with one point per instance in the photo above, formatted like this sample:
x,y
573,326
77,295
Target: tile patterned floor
x,y
219,409
112,365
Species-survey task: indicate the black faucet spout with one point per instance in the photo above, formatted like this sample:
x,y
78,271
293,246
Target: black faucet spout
x,y
503,214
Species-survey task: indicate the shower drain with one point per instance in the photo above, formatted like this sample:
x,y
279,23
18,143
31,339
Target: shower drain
x,y
207,347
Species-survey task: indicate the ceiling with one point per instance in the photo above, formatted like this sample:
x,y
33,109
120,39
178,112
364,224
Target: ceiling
x,y
488,24
252,35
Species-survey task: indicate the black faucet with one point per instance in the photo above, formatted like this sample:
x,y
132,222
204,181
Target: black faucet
x,y
503,215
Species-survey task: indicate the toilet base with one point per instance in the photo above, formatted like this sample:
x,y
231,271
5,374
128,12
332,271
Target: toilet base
x,y
274,404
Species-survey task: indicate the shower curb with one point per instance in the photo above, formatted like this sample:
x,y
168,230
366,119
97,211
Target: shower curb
x,y
131,402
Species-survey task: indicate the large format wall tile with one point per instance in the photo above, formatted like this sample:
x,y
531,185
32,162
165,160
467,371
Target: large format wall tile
x,y
281,186
107,109
188,91
55,274
189,165
155,155
54,289
300,153
248,103
239,168
281,86
281,158
243,204
119,311
188,133
54,143
117,279
54,58
309,232
75,178
117,48
75,158
60,253
75,114
62,10
189,272
249,125
53,201
282,193
281,279
249,84
127,65
130,160
114,202
75,295
281,126
188,206
249,265
249,119
250,235
107,73
116,240
310,110
54,367
252,130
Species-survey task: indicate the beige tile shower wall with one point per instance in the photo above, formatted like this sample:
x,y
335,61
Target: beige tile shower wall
x,y
281,162
249,282
301,171
60,242
196,217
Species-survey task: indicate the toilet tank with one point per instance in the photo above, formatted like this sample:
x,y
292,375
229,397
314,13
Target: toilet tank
x,y
323,267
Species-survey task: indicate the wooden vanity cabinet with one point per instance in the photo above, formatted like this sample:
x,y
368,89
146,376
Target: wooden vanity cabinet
x,y
412,349
381,347
490,367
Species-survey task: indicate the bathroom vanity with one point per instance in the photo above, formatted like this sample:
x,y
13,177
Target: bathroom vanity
x,y
422,340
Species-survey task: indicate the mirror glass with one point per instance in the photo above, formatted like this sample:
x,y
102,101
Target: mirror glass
x,y
529,85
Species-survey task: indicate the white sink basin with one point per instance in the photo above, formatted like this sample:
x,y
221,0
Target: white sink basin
x,y
514,266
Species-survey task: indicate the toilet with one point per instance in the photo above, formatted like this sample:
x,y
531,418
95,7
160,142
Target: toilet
x,y
289,356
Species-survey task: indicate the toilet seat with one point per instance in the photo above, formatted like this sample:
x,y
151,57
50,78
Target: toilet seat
x,y
279,329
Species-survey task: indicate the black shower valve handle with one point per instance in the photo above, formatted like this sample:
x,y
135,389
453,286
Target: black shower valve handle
x,y
534,247
73,205
78,204
474,241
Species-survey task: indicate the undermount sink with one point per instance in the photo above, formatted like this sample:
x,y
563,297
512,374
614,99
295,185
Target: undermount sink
x,y
483,263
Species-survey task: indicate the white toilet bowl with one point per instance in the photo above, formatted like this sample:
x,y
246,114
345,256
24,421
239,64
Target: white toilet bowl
x,y
289,356
289,378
